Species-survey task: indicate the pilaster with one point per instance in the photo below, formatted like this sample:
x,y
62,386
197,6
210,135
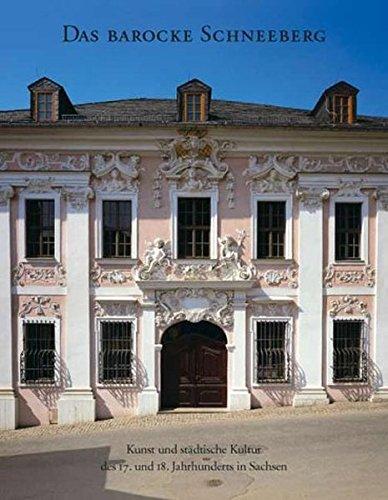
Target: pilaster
x,y
148,402
77,403
310,332
238,397
7,396
381,335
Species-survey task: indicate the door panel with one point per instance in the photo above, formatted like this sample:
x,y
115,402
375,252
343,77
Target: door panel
x,y
194,367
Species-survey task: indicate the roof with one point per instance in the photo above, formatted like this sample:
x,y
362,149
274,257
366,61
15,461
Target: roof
x,y
163,112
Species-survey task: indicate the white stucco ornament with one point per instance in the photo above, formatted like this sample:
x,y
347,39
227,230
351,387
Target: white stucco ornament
x,y
194,304
231,265
115,171
157,258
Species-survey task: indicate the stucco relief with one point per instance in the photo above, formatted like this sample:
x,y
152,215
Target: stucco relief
x,y
192,163
334,276
158,264
271,173
40,306
39,185
278,277
26,274
111,309
348,304
381,195
43,161
276,309
115,171
194,305
108,277
351,189
78,197
311,198
6,193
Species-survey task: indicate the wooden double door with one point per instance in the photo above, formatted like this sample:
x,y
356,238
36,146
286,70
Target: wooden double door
x,y
194,366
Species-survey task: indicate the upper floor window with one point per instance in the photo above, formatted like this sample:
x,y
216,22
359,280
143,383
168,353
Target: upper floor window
x,y
339,108
44,106
193,107
271,229
194,219
349,353
38,355
348,223
117,223
116,352
272,352
40,240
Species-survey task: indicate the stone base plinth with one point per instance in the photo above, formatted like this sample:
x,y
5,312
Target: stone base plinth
x,y
8,409
311,396
239,399
76,406
148,402
381,395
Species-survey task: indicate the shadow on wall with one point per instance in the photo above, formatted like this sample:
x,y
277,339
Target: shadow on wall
x,y
61,474
281,394
359,391
124,394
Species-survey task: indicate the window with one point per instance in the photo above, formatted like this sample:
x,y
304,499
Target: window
x,y
38,355
271,229
193,228
117,222
193,107
40,228
271,352
339,108
349,356
116,352
348,223
44,106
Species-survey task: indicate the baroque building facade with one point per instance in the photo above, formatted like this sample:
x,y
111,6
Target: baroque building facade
x,y
190,252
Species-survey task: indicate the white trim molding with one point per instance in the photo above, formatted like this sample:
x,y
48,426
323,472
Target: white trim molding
x,y
123,196
44,192
350,192
287,198
212,193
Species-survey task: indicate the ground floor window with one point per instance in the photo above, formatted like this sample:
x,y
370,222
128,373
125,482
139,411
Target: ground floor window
x,y
272,352
349,351
116,360
38,354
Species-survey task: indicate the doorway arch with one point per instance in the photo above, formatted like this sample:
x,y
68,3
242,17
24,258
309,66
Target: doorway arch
x,y
194,366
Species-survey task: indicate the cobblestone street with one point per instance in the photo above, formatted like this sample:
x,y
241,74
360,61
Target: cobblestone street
x,y
339,451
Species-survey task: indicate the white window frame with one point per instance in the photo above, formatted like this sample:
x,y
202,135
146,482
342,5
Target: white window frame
x,y
364,250
21,332
287,198
22,244
289,320
100,198
330,346
134,331
213,195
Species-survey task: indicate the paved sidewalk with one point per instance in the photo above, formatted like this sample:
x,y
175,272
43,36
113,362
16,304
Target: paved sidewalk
x,y
186,419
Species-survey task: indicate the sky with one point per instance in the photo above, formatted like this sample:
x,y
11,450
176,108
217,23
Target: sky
x,y
293,75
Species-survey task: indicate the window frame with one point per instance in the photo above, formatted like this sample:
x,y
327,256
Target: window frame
x,y
330,347
22,233
332,108
57,342
289,320
201,97
213,195
98,329
288,236
99,225
364,240
46,93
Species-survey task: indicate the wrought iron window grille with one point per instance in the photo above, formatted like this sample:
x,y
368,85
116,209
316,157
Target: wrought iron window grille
x,y
350,351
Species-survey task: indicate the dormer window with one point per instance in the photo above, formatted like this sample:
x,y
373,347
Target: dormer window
x,y
337,105
44,103
193,107
49,101
193,100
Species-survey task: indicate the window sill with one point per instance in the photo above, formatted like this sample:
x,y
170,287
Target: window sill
x,y
285,262
349,263
338,385
195,261
117,261
115,386
264,385
40,261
